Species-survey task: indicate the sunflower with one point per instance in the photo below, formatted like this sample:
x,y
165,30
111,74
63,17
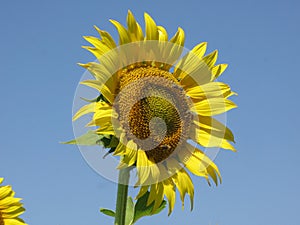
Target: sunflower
x,y
156,107
10,207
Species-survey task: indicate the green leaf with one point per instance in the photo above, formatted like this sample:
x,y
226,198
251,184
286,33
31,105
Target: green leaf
x,y
89,138
108,212
129,211
141,209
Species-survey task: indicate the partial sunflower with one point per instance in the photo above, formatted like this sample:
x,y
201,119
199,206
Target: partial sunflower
x,y
10,207
159,106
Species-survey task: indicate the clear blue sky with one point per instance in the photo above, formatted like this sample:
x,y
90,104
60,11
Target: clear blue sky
x,y
39,48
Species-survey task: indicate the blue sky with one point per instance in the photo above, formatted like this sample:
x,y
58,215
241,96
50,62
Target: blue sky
x,y
39,48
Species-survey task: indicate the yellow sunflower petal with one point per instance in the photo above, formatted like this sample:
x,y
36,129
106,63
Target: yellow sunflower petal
x,y
97,70
134,29
104,75
120,150
103,89
190,61
185,185
209,90
140,33
155,172
5,191
11,209
13,214
151,28
94,41
214,174
106,129
195,76
218,70
143,190
131,146
86,109
163,34
199,164
193,164
211,59
97,122
156,195
207,140
130,156
214,127
173,51
124,37
14,222
98,52
200,49
101,46
106,38
178,38
192,70
213,106
148,171
9,201
169,191
103,114
142,167
152,195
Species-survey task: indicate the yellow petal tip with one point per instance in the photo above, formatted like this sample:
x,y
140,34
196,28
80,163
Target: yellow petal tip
x,y
83,65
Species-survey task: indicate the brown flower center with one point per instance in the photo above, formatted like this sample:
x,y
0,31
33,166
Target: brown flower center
x,y
153,110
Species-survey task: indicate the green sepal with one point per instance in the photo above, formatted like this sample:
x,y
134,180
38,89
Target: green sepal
x,y
91,100
108,212
141,209
89,138
109,142
100,98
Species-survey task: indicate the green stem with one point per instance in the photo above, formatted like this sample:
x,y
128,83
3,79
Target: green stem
x,y
122,197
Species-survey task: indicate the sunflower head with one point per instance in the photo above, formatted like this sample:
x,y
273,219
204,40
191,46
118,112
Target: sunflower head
x,y
158,101
153,111
10,207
